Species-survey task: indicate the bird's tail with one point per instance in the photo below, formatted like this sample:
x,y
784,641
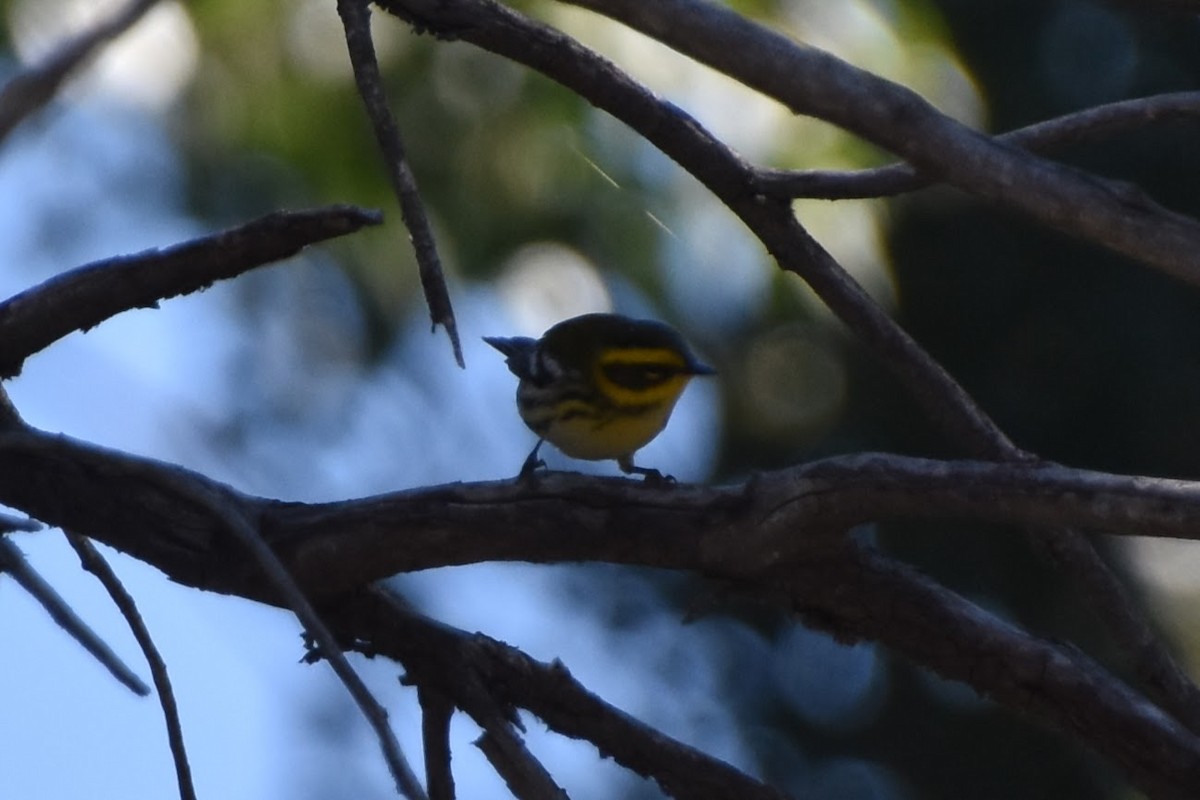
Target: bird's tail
x,y
519,352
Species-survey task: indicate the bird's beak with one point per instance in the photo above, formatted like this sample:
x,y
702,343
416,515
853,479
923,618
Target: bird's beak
x,y
696,368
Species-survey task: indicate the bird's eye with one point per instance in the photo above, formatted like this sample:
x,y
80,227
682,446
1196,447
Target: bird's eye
x,y
636,376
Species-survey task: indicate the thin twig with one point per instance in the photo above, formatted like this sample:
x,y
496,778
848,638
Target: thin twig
x,y
83,298
356,19
32,88
523,774
1090,124
526,777
482,675
11,524
853,593
94,563
234,521
436,713
12,561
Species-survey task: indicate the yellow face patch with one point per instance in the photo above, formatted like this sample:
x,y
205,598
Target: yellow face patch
x,y
641,376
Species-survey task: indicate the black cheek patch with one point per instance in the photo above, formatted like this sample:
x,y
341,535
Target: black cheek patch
x,y
637,376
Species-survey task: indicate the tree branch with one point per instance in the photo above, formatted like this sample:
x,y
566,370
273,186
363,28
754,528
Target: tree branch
x,y
858,593
1091,124
784,528
465,666
94,563
436,713
231,516
83,298
356,19
812,82
523,774
734,532
12,561
11,524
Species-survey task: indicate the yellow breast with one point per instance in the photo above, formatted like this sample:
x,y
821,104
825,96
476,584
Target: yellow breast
x,y
610,436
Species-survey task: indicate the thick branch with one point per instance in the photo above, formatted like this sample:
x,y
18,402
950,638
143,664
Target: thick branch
x,y
812,82
83,298
782,528
732,532
137,506
859,594
1090,124
852,594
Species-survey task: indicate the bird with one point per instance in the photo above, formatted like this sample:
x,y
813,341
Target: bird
x,y
599,386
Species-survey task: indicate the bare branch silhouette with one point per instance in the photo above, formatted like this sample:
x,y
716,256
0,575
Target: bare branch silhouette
x,y
11,524
781,531
356,19
1090,125
436,713
12,561
231,518
462,665
83,298
811,82
94,563
524,775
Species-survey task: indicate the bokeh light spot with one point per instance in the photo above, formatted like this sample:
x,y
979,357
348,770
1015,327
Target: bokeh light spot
x,y
147,66
794,384
545,282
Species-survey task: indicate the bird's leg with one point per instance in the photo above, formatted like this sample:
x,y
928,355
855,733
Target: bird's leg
x,y
651,476
532,463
